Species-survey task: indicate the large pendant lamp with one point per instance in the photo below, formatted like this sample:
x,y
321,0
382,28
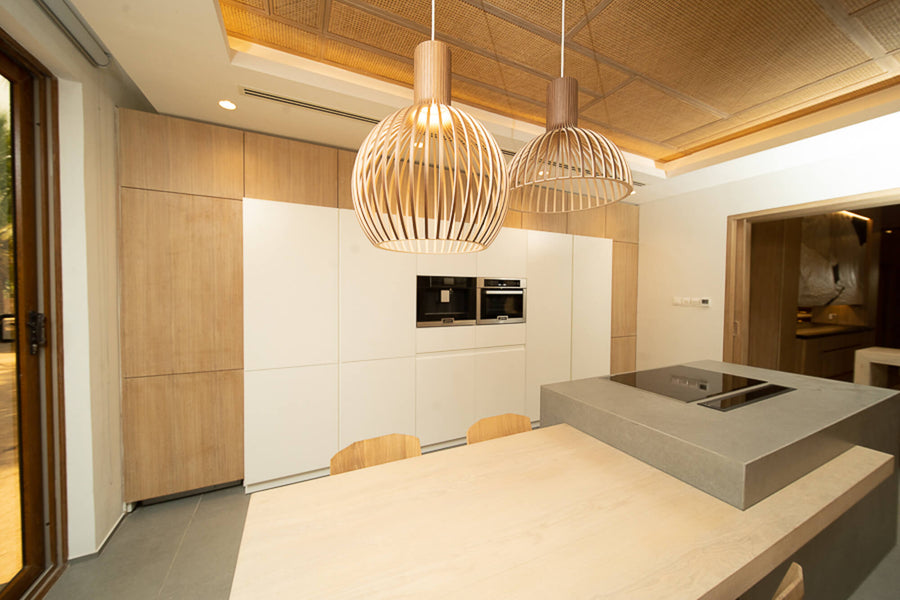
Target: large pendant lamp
x,y
567,168
430,178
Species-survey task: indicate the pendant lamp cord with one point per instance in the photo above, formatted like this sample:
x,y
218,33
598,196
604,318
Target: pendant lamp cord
x,y
562,41
432,20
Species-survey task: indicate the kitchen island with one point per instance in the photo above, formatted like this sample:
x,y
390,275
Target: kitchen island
x,y
743,453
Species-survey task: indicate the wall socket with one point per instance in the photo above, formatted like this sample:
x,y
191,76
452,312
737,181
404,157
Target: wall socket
x,y
699,301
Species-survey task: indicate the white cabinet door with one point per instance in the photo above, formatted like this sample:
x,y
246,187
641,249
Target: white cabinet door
x,y
445,396
290,284
591,306
290,421
506,257
458,265
378,297
549,315
499,382
378,397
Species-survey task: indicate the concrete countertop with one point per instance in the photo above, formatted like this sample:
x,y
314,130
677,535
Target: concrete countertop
x,y
741,455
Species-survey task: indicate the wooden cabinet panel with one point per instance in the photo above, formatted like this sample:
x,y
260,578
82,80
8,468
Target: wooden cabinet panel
x,y
290,171
551,222
623,353
590,222
774,279
176,155
181,283
346,158
182,432
622,222
591,306
624,289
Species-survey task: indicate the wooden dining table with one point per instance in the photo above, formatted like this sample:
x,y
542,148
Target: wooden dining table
x,y
551,513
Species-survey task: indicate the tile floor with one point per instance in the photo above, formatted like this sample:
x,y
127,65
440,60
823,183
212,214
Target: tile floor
x,y
187,549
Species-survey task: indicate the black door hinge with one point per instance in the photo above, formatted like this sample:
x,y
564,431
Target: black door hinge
x,y
37,331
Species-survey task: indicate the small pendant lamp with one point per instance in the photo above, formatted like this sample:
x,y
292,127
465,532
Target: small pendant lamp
x,y
567,168
430,178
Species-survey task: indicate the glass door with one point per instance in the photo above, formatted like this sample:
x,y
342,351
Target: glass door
x,y
10,480
22,514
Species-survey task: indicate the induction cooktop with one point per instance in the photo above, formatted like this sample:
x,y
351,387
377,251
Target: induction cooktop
x,y
687,384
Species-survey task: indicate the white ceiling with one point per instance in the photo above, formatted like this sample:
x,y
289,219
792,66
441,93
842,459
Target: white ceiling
x,y
177,53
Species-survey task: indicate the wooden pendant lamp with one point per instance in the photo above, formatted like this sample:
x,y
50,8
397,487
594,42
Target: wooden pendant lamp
x,y
567,168
430,178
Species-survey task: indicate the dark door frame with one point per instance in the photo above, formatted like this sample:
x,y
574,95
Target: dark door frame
x,y
36,167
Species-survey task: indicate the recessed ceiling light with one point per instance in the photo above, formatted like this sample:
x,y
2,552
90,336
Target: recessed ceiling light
x,y
227,104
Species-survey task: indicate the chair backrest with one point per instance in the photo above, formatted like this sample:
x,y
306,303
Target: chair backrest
x,y
375,451
791,587
499,426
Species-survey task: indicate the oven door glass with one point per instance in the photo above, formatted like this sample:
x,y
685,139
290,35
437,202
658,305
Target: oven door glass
x,y
445,301
502,305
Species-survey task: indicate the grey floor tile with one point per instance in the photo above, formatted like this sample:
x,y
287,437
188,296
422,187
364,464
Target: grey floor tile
x,y
204,565
136,560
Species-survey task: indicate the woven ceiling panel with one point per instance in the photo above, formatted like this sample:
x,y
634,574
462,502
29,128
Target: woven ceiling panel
x,y
647,112
497,102
627,142
354,24
260,4
546,13
883,21
824,90
251,25
730,55
597,77
367,62
304,12
671,76
854,5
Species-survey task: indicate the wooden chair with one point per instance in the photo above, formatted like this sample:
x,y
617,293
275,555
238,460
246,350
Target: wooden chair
x,y
791,587
499,426
375,451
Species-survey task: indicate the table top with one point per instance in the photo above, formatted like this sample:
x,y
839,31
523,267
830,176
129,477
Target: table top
x,y
552,513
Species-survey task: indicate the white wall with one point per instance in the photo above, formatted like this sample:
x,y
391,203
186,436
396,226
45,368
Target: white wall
x,y
88,99
683,237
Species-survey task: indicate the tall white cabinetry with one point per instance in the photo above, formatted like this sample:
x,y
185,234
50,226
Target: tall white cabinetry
x,y
377,337
548,345
290,338
332,354
591,306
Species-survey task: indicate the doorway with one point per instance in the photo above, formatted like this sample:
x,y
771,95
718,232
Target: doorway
x,y
31,545
779,346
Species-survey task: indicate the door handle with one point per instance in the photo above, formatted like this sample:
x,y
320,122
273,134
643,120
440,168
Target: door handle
x,y
3,323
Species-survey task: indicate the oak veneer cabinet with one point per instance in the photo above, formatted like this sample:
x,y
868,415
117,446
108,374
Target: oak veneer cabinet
x,y
163,153
182,432
623,354
181,283
290,171
624,289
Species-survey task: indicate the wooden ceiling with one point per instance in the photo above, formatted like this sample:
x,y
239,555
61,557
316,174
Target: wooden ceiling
x,y
661,78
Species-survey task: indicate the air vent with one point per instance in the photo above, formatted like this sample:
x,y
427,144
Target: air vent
x,y
308,106
338,113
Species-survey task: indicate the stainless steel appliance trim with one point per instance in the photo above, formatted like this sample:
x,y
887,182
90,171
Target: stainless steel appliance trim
x,y
500,290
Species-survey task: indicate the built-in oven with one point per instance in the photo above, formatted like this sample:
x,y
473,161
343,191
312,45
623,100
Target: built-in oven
x,y
444,301
501,301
